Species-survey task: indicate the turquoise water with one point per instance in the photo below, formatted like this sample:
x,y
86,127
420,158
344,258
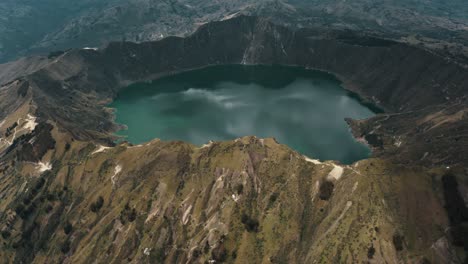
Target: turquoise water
x,y
301,108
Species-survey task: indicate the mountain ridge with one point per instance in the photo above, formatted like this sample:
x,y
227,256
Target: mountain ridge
x,y
433,23
72,195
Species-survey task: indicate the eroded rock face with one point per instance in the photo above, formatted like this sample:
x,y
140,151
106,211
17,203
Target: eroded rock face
x,y
248,200
33,146
171,202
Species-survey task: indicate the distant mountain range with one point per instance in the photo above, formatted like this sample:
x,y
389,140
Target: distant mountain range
x,y
34,27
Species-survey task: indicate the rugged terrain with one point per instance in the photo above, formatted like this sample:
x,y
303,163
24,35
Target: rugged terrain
x,y
69,194
34,27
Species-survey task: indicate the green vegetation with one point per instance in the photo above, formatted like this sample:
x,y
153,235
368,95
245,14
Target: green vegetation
x,y
68,228
239,188
5,234
326,190
65,248
250,224
97,205
398,242
128,214
219,254
371,252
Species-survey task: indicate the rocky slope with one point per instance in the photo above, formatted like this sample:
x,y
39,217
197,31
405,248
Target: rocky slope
x,y
32,27
69,194
247,201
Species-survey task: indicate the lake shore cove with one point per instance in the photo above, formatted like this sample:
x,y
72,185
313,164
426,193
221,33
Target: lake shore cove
x,y
71,195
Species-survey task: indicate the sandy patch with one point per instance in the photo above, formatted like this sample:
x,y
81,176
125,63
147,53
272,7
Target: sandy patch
x,y
117,170
398,142
315,190
229,16
440,118
209,144
314,161
336,173
186,215
43,167
30,122
235,197
100,149
355,187
262,142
